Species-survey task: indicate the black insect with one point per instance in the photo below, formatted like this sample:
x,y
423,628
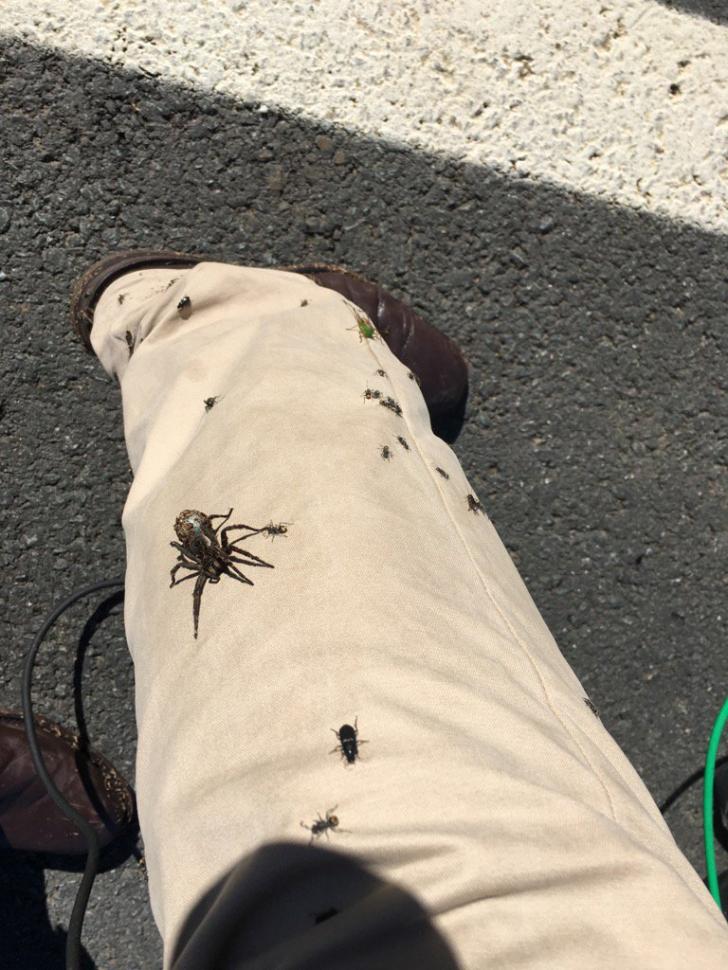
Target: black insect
x,y
277,530
413,377
304,302
208,556
592,707
402,441
121,297
130,342
473,504
386,452
323,825
349,742
185,307
390,403
381,372
442,472
210,402
369,394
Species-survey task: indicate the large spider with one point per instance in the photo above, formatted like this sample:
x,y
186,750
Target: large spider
x,y
208,557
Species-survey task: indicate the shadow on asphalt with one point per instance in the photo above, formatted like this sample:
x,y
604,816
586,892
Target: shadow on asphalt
x,y
28,939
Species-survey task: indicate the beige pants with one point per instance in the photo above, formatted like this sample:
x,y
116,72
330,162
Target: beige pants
x,y
490,813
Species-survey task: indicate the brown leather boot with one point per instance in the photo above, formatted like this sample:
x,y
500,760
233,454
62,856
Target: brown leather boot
x,y
29,818
433,358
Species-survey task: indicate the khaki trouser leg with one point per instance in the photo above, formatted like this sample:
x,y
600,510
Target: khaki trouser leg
x,y
488,790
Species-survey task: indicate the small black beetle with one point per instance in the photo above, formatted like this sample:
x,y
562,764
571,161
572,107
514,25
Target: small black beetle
x,y
185,307
349,742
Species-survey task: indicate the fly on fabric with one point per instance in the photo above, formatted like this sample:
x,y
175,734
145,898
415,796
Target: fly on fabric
x,y
349,741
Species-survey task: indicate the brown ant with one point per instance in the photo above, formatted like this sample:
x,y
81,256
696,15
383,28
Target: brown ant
x,y
323,824
473,504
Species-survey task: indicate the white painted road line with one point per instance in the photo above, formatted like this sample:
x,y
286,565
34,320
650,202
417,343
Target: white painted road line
x,y
621,99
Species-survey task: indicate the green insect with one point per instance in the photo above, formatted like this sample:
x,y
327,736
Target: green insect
x,y
365,328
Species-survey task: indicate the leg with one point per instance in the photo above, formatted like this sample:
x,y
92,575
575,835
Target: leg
x,y
219,515
236,574
182,565
256,560
251,532
184,555
400,598
197,599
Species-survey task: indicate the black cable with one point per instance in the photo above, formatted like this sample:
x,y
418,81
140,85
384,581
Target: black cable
x,y
73,938
688,783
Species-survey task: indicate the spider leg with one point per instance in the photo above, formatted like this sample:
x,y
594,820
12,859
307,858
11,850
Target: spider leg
x,y
236,574
229,528
256,559
219,515
181,565
196,599
183,553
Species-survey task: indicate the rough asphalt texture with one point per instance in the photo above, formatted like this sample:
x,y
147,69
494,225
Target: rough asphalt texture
x,y
595,436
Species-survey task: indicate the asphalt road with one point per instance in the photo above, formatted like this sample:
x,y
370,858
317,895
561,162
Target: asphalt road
x,y
595,435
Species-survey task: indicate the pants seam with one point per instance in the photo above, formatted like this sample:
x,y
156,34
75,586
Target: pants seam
x,y
504,617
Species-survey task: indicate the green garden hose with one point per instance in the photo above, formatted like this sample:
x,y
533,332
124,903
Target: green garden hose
x,y
708,803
